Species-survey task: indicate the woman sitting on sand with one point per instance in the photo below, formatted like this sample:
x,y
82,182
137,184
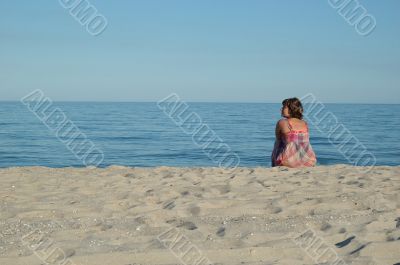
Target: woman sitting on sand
x,y
292,146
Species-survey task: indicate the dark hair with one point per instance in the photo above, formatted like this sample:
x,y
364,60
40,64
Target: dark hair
x,y
294,106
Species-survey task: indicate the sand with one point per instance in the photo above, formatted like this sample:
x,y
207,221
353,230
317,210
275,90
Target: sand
x,y
166,215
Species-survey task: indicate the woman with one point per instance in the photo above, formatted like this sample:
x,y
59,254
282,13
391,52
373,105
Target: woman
x,y
292,146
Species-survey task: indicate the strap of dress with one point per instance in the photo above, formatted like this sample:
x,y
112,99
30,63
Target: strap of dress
x,y
289,125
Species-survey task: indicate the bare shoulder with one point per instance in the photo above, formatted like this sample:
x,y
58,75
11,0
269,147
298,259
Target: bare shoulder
x,y
303,122
281,124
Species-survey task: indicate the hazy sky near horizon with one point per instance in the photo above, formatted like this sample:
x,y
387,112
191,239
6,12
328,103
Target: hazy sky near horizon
x,y
208,50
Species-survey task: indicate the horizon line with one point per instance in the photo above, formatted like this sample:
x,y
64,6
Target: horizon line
x,y
223,102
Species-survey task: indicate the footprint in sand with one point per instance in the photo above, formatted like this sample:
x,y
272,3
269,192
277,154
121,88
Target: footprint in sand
x,y
325,226
188,225
169,205
345,242
277,210
130,175
221,232
357,249
194,210
274,210
222,189
390,238
168,176
149,192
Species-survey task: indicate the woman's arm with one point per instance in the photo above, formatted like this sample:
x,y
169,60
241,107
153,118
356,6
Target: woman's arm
x,y
276,144
277,131
277,134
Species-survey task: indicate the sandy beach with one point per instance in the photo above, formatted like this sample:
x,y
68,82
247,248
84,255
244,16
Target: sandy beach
x,y
161,216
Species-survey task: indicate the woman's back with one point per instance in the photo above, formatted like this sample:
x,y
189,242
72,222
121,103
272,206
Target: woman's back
x,y
294,125
294,148
292,145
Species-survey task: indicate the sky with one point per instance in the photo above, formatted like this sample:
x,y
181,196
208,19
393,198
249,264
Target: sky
x,y
204,50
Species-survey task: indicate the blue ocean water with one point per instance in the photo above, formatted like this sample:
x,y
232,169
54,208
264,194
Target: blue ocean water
x,y
140,134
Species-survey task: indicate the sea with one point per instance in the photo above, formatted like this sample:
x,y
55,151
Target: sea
x,y
143,135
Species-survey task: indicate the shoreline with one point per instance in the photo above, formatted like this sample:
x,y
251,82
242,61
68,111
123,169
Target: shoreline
x,y
340,165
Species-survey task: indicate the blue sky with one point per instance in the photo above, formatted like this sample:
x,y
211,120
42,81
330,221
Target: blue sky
x,y
205,50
